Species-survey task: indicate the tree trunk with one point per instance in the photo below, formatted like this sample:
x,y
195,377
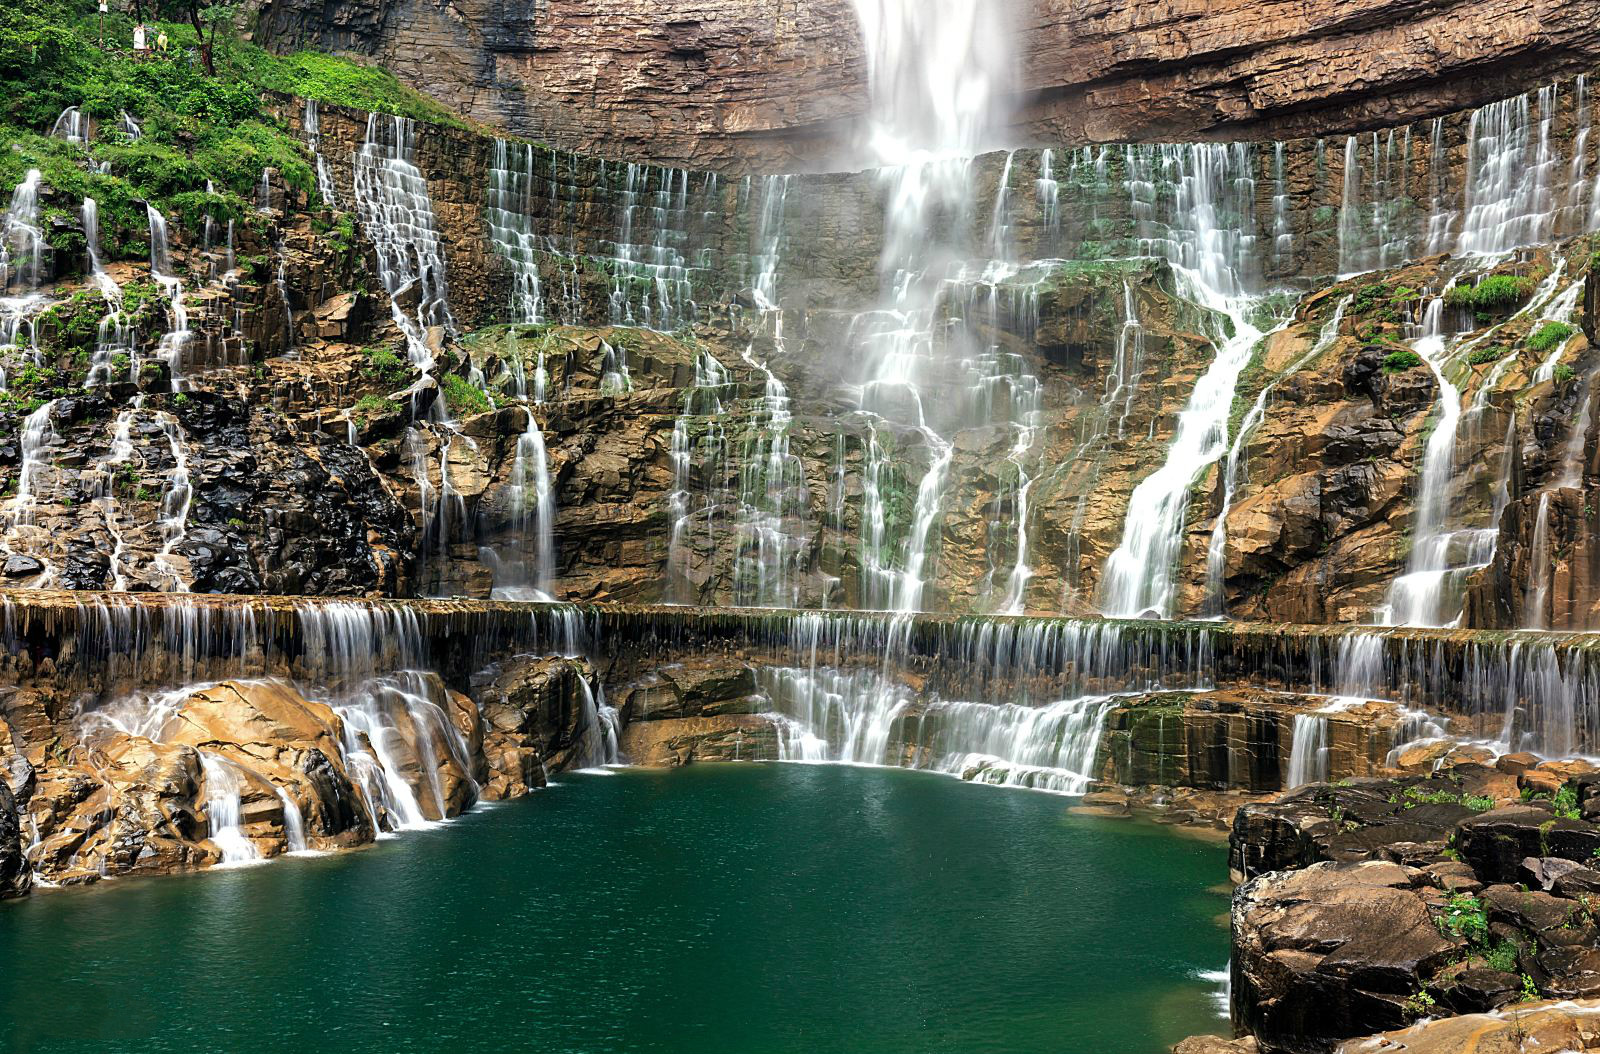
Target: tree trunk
x,y
200,37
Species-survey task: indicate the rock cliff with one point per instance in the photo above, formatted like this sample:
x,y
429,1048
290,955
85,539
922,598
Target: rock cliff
x,y
770,85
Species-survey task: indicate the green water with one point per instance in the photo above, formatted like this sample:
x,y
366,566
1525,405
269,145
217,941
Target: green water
x,y
740,909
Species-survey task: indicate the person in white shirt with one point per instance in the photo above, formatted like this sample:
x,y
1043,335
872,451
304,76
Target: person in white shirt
x,y
138,37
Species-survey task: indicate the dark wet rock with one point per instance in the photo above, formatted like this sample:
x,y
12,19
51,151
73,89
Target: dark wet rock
x,y
15,876
340,811
19,566
1477,990
1497,842
1329,952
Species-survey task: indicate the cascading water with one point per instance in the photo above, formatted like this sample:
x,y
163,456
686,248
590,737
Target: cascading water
x,y
397,214
1443,551
175,343
533,511
938,75
1216,555
313,127
512,188
22,255
115,335
223,789
1208,181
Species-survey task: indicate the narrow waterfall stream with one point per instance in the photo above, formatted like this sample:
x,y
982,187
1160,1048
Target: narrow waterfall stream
x,y
1209,258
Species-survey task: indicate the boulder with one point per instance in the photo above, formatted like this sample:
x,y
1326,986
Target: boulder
x,y
1329,952
1496,843
736,737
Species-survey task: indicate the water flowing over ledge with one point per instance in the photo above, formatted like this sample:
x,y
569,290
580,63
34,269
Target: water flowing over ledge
x,y
1543,688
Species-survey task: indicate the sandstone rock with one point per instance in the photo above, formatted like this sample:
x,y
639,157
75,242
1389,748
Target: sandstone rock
x,y
682,741
1215,1045
533,721
1534,1026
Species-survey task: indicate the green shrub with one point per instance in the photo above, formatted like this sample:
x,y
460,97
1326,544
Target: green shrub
x,y
1464,917
1396,361
1566,803
1550,336
370,406
463,399
1480,356
386,368
1563,373
1502,957
1496,294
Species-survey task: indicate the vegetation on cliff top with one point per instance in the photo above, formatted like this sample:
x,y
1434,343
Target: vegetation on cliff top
x,y
195,128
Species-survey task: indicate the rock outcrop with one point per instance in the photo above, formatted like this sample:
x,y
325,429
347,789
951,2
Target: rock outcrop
x,y
1377,903
768,85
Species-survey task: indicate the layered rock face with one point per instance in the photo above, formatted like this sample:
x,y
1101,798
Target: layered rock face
x,y
1463,892
769,85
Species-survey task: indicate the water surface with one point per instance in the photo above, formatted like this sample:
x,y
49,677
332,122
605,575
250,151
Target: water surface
x,y
747,909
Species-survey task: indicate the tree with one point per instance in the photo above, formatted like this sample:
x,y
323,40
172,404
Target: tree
x,y
207,19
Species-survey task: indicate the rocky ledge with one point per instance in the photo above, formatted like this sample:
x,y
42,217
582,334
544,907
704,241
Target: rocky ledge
x,y
1373,904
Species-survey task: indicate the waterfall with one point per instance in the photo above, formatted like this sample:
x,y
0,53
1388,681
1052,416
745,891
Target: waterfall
x,y
652,283
1282,203
223,788
1535,595
533,507
294,824
115,335
1308,755
1208,182
1372,228
1216,555
601,726
509,200
1431,591
702,405
373,717
1541,564
938,72
38,434
397,214
313,129
864,718
177,339
176,497
1048,192
1418,596
72,126
1510,165
22,249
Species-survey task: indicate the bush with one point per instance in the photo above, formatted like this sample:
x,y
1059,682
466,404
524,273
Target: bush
x,y
1464,917
462,398
385,368
1502,957
1550,336
1396,361
1496,294
370,406
1480,356
1563,373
